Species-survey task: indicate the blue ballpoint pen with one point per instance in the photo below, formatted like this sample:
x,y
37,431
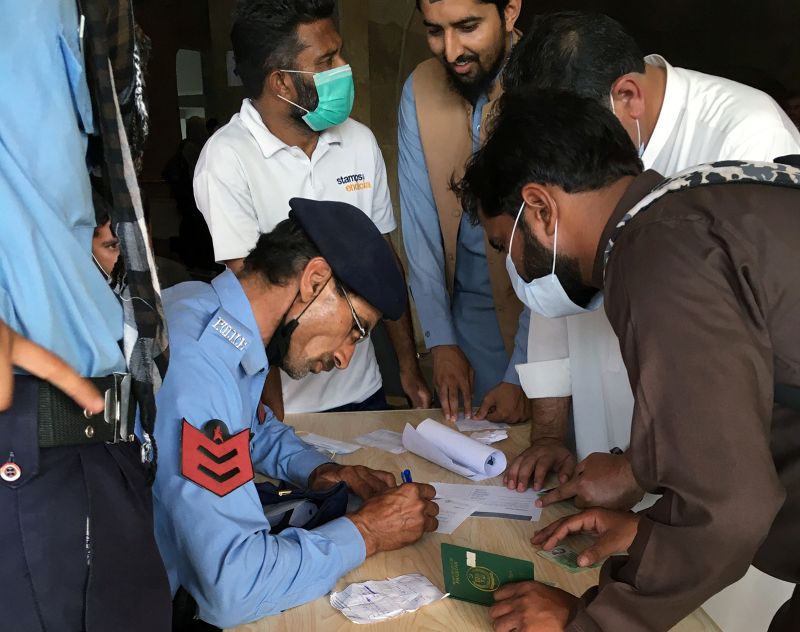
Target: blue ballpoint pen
x,y
405,475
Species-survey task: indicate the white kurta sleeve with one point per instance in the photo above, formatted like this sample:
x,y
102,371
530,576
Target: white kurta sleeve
x,y
547,373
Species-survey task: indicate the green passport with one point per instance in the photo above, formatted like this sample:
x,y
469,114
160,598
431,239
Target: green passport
x,y
472,575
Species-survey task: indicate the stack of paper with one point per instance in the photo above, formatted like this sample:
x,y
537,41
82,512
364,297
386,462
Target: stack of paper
x,y
453,451
459,502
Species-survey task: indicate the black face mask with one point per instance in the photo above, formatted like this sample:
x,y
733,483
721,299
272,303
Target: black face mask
x,y
278,346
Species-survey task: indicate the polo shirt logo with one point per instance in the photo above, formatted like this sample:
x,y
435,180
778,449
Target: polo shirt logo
x,y
354,182
224,328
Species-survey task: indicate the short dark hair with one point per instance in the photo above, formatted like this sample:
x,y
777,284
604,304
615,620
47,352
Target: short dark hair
x,y
281,254
581,52
546,137
264,36
500,4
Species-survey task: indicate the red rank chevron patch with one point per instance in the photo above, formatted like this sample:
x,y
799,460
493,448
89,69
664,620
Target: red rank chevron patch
x,y
215,460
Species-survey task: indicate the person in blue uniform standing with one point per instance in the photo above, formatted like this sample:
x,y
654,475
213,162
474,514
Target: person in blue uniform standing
x,y
309,291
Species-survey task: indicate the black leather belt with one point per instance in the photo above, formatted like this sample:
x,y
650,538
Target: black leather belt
x,y
63,423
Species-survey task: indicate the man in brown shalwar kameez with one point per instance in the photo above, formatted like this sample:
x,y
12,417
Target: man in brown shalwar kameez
x,y
700,277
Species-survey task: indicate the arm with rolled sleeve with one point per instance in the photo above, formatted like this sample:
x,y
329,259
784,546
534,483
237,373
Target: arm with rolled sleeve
x,y
698,353
422,235
224,554
222,194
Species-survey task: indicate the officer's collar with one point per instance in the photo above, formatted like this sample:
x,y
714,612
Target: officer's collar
x,y
234,301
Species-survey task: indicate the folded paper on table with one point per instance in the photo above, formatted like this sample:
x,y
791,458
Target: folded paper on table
x,y
473,425
453,451
383,439
327,444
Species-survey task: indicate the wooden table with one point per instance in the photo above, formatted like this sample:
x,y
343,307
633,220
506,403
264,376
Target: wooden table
x,y
506,537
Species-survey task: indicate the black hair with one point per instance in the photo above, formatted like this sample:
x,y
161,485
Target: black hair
x,y
281,254
580,52
545,137
264,36
500,4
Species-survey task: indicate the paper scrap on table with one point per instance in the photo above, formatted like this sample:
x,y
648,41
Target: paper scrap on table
x,y
453,450
384,440
328,444
373,601
473,425
452,513
490,436
492,501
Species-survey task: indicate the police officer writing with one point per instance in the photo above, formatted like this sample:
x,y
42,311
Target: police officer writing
x,y
309,291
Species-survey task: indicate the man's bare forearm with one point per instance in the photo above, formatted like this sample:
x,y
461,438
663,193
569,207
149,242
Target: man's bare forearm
x,y
549,417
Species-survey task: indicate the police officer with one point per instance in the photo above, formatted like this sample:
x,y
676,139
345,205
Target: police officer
x,y
78,551
310,290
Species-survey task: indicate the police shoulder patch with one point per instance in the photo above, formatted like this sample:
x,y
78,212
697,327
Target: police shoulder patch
x,y
215,460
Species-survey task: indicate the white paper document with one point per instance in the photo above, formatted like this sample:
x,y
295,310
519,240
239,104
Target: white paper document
x,y
329,445
370,602
492,501
490,436
453,450
384,440
452,513
473,425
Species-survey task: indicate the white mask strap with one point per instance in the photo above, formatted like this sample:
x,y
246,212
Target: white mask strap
x,y
555,248
638,136
513,230
611,98
293,103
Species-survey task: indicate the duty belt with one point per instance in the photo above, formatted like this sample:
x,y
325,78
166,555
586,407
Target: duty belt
x,y
62,422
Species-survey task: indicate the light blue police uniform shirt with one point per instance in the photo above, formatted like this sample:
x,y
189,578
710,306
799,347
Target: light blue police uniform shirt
x,y
220,548
470,321
50,290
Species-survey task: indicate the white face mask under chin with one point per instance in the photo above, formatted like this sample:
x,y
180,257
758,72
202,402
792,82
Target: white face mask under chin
x,y
545,295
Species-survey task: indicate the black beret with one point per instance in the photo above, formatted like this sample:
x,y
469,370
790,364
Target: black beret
x,y
356,251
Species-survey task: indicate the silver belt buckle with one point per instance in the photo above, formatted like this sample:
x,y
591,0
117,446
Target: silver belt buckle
x,y
117,400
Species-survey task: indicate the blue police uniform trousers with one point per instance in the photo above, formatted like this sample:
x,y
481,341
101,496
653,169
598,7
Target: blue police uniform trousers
x,y
57,576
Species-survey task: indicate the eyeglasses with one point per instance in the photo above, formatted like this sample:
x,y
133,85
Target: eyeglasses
x,y
363,334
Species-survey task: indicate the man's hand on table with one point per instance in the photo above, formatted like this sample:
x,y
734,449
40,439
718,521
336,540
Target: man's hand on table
x,y
531,607
415,387
600,480
532,466
614,530
452,374
397,517
364,482
18,351
505,402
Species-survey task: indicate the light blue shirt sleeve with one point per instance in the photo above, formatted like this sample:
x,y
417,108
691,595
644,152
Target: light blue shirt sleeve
x,y
520,354
278,452
220,548
422,235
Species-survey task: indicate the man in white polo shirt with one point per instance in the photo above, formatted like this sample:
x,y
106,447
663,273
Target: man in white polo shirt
x,y
677,118
293,138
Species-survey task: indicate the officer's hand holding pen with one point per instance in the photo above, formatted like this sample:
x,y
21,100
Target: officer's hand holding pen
x,y
21,352
397,517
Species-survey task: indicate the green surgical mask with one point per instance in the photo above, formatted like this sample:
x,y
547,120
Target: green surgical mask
x,y
336,92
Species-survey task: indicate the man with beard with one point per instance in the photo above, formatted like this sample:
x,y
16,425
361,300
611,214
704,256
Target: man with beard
x,y
676,118
293,137
469,314
310,290
695,270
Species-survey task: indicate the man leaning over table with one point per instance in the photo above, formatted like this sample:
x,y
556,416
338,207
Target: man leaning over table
x,y
309,291
696,275
469,314
293,138
676,118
